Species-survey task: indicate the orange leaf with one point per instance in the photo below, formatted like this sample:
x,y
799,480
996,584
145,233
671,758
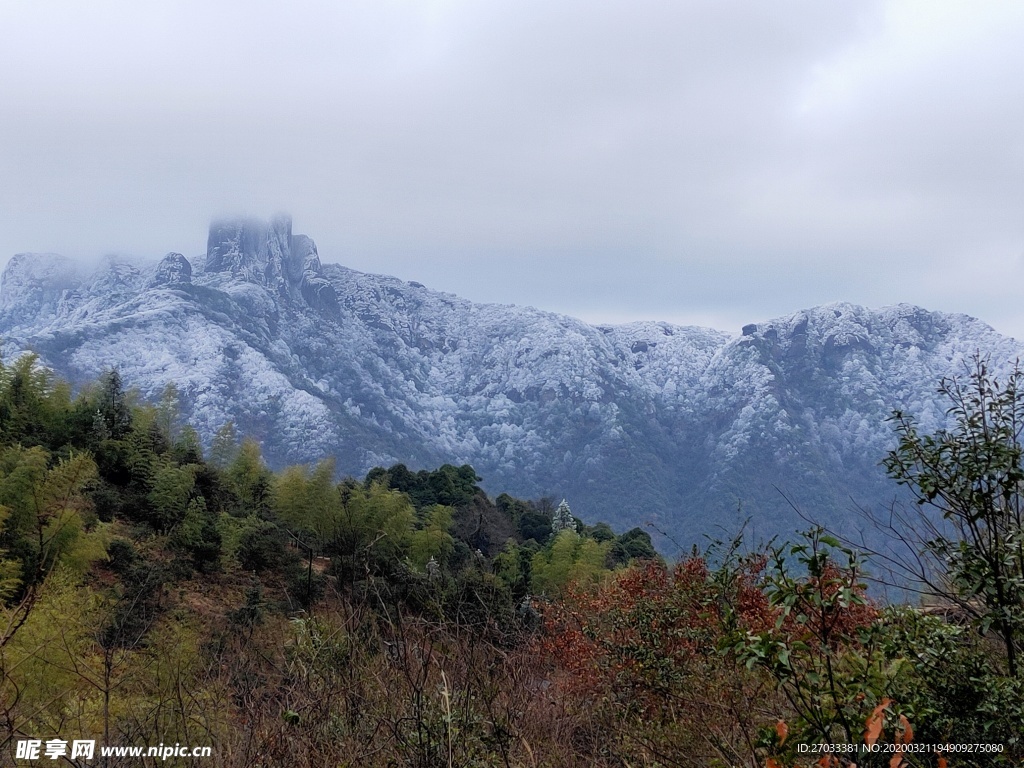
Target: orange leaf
x,y
873,724
896,761
782,730
772,763
942,762
908,732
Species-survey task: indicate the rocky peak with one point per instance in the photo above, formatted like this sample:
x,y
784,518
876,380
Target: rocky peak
x,y
173,269
268,254
249,248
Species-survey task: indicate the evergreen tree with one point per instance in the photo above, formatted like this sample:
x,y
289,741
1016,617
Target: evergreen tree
x,y
563,519
114,406
250,480
224,449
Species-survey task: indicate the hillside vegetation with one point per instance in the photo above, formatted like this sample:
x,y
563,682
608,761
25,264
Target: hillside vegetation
x,y
153,593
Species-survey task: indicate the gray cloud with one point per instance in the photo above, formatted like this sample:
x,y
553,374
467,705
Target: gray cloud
x,y
706,161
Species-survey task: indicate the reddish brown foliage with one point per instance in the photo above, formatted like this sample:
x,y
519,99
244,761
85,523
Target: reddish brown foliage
x,y
648,624
819,615
644,647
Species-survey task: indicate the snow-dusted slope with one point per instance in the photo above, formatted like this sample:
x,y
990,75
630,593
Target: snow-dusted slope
x,y
642,422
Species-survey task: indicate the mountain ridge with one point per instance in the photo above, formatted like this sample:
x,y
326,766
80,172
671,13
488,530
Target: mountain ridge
x,y
681,426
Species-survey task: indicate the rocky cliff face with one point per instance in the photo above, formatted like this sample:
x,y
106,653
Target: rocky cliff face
x,y
686,427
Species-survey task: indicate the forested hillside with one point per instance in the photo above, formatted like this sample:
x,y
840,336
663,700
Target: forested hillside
x,y
155,593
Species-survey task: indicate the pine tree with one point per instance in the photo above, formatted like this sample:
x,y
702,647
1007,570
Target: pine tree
x,y
563,519
114,406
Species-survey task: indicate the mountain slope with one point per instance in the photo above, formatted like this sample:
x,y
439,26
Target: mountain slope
x,y
686,427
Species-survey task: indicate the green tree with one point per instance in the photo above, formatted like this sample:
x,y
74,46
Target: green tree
x,y
198,535
513,565
309,507
307,502
187,448
535,525
34,408
250,480
373,530
114,406
224,450
172,488
634,544
570,558
168,412
432,539
42,525
972,475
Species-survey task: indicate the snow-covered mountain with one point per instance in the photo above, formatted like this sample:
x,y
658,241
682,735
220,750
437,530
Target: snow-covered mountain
x,y
689,428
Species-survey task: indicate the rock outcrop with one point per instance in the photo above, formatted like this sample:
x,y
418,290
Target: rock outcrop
x,y
268,254
173,269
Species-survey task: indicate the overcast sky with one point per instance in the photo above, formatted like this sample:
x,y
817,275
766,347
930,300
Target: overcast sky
x,y
714,163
